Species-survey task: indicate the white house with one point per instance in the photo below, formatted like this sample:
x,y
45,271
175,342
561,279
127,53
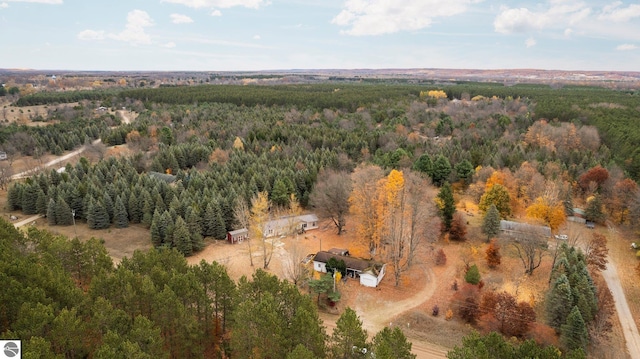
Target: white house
x,y
369,272
290,224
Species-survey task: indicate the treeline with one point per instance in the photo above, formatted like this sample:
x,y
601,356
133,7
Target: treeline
x,y
57,97
65,299
613,112
336,95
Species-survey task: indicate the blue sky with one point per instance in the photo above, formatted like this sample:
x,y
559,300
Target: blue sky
x,y
228,35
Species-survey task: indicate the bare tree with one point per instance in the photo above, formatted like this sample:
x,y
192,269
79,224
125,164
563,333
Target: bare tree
x,y
293,267
530,247
596,252
242,215
5,174
330,197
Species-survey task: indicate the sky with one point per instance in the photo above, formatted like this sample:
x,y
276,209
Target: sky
x,y
251,35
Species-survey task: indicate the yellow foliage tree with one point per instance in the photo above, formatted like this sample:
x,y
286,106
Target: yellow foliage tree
x,y
551,213
237,144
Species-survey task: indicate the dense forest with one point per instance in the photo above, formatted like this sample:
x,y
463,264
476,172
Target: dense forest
x,y
530,153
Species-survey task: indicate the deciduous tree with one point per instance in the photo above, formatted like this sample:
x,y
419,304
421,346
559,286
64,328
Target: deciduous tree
x,y
492,254
497,195
330,197
596,252
364,206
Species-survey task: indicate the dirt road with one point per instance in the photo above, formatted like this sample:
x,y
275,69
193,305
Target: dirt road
x,y
622,308
52,162
375,319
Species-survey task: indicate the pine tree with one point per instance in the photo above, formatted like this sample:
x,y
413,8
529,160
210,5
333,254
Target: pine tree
x,y
558,302
464,170
473,275
97,217
219,230
51,212
41,203
424,164
107,203
29,198
593,212
14,197
280,193
133,209
156,230
574,333
441,170
491,222
193,224
349,339
120,217
446,205
182,238
63,214
391,344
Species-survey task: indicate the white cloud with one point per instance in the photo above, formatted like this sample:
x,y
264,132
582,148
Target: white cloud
x,y
169,45
560,14
4,5
614,12
222,4
376,17
568,32
626,47
256,37
50,2
216,13
91,35
180,19
530,42
134,32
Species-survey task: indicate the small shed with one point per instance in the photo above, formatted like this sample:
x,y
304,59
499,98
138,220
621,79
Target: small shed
x,y
369,272
3,155
237,236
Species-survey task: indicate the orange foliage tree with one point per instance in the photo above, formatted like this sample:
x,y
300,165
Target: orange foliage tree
x,y
492,254
597,175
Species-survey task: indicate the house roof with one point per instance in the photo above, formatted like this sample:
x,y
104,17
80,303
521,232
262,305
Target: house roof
x,y
524,228
352,263
308,218
239,231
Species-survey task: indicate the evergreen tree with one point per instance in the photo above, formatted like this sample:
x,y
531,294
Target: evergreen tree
x,y
219,230
446,205
41,203
441,170
30,198
51,212
391,344
107,203
14,197
349,339
593,212
120,216
559,302
209,219
491,222
63,214
472,275
424,164
574,333
465,171
97,218
157,237
193,224
182,237
133,209
280,193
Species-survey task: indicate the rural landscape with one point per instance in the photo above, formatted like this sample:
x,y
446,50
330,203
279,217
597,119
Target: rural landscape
x,y
320,214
